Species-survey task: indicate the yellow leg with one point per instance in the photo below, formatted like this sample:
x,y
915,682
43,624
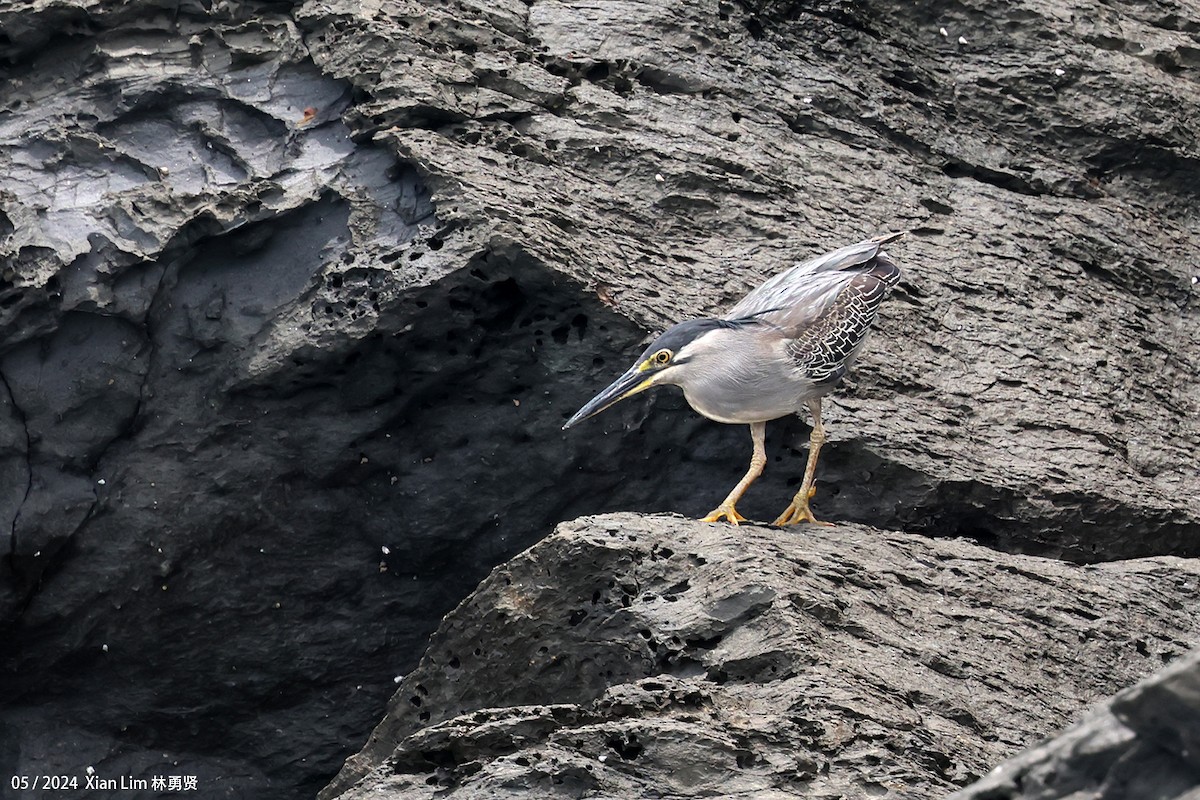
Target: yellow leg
x,y
758,432
798,510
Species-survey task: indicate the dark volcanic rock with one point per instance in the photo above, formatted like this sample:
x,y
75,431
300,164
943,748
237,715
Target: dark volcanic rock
x,y
283,285
1144,743
659,657
674,154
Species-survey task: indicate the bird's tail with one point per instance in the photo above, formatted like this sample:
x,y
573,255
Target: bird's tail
x,y
849,257
888,237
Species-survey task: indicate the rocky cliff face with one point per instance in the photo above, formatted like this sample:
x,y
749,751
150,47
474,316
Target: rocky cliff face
x,y
294,297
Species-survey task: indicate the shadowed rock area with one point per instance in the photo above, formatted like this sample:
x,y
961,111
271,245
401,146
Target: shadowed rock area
x,y
294,298
1144,743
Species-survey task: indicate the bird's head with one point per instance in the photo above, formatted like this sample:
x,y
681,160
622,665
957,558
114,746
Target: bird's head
x,y
668,360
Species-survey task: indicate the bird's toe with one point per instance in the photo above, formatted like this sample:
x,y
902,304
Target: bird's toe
x,y
724,512
796,513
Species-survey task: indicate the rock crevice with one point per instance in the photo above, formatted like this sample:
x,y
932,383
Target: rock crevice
x,y
21,422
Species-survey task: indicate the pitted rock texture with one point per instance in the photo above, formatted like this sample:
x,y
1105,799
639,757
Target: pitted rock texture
x,y
1144,743
1032,383
652,656
295,296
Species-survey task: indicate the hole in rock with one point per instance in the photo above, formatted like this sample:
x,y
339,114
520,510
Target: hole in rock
x,y
627,747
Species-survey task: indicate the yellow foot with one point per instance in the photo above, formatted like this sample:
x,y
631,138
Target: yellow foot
x,y
725,510
798,511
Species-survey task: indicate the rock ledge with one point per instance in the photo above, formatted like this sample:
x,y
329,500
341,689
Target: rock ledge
x,y
652,656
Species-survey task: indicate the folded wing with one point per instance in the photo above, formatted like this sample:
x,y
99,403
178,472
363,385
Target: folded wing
x,y
825,306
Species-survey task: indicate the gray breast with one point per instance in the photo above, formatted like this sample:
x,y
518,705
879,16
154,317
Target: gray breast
x,y
743,379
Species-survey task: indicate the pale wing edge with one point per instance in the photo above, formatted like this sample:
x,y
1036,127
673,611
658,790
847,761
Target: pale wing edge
x,y
792,284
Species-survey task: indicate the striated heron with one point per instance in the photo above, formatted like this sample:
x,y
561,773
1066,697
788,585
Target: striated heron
x,y
781,349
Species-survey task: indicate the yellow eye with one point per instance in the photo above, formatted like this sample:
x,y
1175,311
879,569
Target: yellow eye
x,y
662,357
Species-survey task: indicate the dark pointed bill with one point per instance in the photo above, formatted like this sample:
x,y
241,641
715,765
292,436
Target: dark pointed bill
x,y
629,384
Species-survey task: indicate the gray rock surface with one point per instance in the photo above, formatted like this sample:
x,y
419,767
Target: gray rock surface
x,y
1145,743
1008,395
286,284
643,656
